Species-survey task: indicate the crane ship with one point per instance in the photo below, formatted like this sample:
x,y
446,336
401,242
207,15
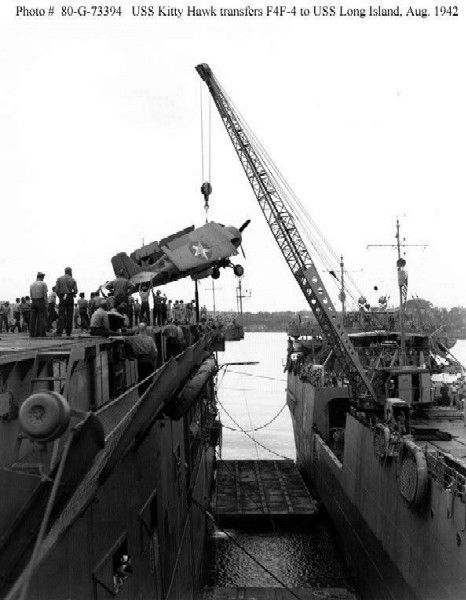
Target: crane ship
x,y
386,462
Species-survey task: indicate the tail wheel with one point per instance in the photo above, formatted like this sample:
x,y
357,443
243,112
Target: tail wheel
x,y
215,273
238,270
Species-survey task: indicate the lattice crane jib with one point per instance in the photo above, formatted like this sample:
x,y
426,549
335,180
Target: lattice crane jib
x,y
288,238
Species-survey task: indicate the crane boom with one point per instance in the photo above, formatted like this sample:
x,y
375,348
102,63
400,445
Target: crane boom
x,y
288,238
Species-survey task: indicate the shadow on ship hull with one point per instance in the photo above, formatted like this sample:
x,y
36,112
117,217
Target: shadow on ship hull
x,y
396,551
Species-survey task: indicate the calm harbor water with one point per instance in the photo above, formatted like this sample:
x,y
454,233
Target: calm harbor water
x,y
253,395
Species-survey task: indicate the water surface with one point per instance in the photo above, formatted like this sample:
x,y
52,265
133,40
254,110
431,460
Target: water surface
x,y
253,395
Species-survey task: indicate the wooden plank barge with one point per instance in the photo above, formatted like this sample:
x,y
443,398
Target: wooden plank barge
x,y
248,491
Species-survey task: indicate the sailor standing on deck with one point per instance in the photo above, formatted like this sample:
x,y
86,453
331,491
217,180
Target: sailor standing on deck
x,y
145,310
157,310
169,311
16,316
182,312
137,311
176,311
121,289
66,289
38,293
4,310
83,306
51,308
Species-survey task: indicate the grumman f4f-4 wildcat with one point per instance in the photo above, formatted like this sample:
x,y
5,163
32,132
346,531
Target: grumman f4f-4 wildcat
x,y
197,252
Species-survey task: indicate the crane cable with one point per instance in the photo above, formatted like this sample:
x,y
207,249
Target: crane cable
x,y
210,138
325,252
201,100
278,178
206,187
250,436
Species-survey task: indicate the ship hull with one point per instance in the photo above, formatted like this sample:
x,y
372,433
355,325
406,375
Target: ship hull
x,y
127,517
394,551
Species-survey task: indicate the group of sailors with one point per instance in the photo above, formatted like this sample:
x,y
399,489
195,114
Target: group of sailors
x,y
116,305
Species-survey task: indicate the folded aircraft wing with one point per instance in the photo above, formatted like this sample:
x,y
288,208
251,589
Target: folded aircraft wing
x,y
123,263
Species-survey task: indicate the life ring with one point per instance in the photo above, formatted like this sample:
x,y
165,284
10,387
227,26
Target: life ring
x,y
45,416
381,441
412,474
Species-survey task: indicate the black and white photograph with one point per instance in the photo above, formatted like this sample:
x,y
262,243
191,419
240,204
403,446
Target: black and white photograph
x,y
232,300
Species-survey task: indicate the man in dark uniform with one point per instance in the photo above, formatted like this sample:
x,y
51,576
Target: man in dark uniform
x,y
144,314
137,310
100,324
164,310
83,306
66,289
170,332
157,310
121,289
145,350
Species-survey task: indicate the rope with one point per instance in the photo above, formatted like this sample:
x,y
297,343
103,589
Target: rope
x,y
243,549
258,376
219,384
250,437
43,527
324,251
250,423
261,426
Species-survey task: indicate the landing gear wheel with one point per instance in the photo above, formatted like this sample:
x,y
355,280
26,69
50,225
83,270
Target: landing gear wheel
x,y
215,273
238,270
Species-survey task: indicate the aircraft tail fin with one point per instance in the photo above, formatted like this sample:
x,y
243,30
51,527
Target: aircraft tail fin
x,y
122,262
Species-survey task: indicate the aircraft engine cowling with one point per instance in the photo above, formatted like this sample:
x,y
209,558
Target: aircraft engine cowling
x,y
237,237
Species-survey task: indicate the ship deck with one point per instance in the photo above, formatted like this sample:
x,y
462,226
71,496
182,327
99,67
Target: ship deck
x,y
445,420
18,345
251,490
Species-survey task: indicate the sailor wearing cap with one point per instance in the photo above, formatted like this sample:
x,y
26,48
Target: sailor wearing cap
x,y
38,291
66,289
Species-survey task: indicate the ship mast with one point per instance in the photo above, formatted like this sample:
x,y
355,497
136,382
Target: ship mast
x,y
342,295
402,284
402,287
239,299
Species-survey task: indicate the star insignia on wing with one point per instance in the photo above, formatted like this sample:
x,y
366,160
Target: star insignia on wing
x,y
200,251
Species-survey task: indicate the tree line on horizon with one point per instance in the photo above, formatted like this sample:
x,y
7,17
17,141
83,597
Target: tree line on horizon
x,y
420,313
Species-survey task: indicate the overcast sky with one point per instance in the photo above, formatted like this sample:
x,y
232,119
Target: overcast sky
x,y
100,145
